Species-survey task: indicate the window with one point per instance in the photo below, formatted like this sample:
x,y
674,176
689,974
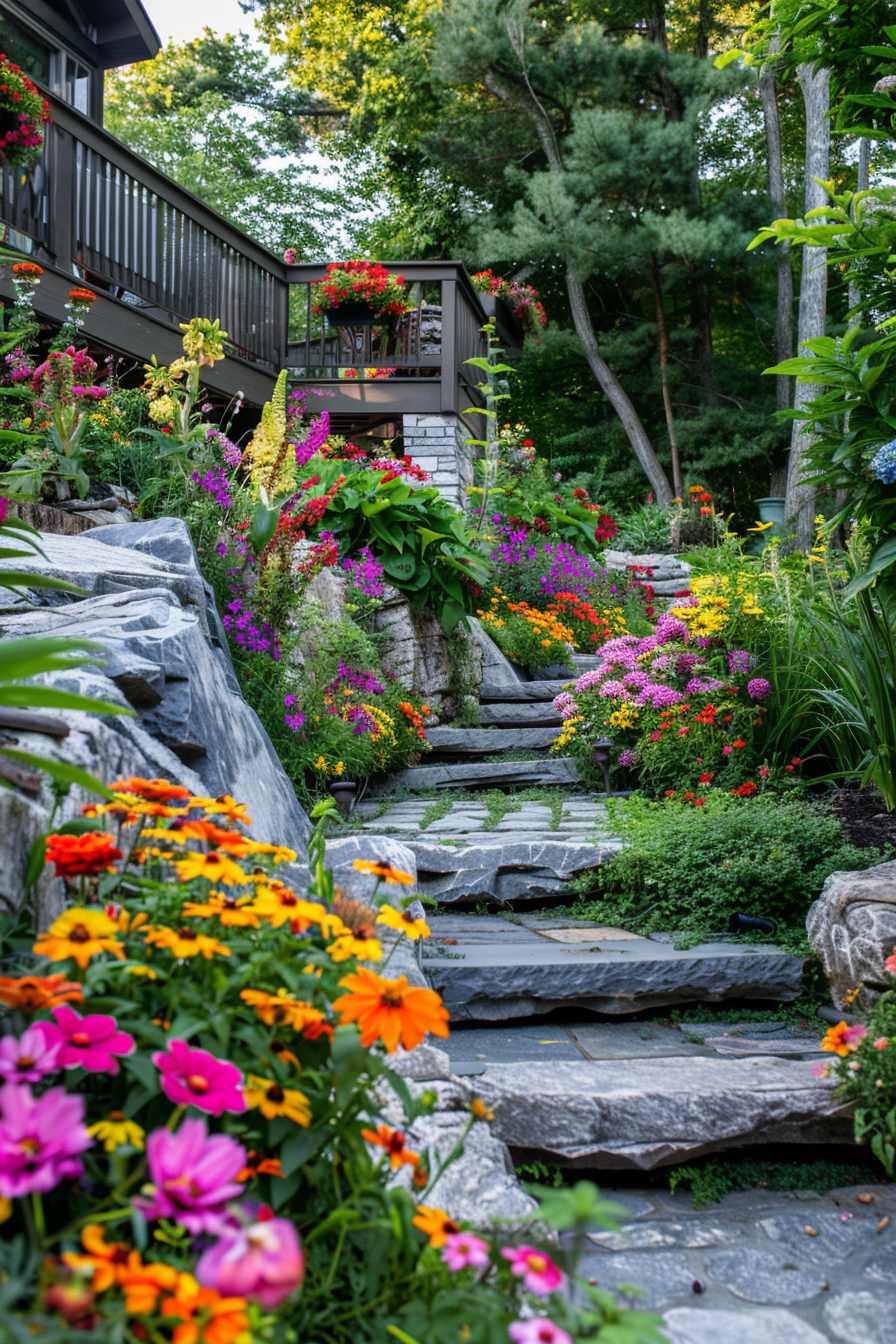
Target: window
x,y
52,67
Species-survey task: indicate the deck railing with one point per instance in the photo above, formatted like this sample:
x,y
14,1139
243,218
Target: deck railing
x,y
98,212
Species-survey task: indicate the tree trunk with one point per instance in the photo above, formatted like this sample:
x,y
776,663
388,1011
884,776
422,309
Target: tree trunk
x,y
799,509
664,373
604,375
863,182
768,92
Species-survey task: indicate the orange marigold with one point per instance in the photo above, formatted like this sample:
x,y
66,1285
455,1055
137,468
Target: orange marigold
x,y
28,268
104,1260
436,1224
82,296
390,1010
393,1142
82,855
206,1316
31,993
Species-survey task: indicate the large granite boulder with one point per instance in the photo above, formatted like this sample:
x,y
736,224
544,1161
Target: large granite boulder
x,y
479,1186
166,661
416,647
852,926
669,574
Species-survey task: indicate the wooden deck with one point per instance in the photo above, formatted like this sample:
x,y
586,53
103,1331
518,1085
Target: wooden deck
x,y
93,212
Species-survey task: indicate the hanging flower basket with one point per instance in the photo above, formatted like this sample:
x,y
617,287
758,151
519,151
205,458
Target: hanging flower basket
x,y
358,293
23,110
522,300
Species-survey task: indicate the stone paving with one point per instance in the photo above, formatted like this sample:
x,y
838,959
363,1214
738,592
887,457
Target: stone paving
x,y
758,1268
583,817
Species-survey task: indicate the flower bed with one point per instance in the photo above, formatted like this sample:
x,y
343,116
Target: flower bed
x,y
191,1146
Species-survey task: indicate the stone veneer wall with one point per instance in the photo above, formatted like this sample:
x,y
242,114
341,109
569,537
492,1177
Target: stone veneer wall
x,y
437,444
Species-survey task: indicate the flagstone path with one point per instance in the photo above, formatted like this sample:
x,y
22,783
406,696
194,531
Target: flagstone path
x,y
538,1002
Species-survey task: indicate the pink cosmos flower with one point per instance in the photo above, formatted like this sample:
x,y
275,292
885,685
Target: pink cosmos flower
x,y
890,963
538,1271
820,1069
29,1058
881,1043
195,1078
40,1139
193,1177
852,1036
538,1330
461,1250
726,751
89,1042
655,737
264,1261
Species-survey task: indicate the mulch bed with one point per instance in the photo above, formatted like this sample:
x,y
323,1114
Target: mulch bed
x,y
865,820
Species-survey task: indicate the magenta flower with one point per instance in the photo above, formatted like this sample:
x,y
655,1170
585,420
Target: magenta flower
x,y
40,1139
820,1069
537,1270
193,1177
195,1078
264,1261
758,688
90,1043
537,1330
852,1036
29,1058
461,1249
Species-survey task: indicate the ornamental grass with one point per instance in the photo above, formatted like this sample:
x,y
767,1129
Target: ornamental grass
x,y
196,1140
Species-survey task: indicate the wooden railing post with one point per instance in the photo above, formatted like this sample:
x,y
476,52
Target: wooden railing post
x,y
449,345
61,190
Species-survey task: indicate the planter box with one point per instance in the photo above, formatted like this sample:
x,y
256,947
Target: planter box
x,y
508,329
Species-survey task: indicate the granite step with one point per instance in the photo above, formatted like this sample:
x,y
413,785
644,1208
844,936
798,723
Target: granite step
x,y
522,692
480,775
498,971
487,741
522,868
518,715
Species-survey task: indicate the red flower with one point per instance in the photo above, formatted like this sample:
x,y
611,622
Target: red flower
x,y
744,790
82,855
688,796
698,802
580,494
739,742
704,779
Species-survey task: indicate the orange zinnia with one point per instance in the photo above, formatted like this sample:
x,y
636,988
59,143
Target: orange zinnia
x,y
205,1315
152,790
82,855
143,1285
384,871
256,1165
186,943
104,1260
391,1010
393,1142
129,808
436,1224
31,993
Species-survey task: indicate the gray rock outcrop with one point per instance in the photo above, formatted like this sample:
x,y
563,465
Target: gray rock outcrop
x,y
669,574
166,660
852,926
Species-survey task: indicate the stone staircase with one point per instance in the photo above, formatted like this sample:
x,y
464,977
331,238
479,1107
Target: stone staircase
x,y
539,1001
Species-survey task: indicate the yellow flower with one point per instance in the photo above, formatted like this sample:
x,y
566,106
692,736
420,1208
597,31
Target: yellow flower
x,y
267,1096
117,1130
350,944
480,1111
232,911
320,763
80,934
404,921
339,769
215,867
278,905
186,943
143,970
760,527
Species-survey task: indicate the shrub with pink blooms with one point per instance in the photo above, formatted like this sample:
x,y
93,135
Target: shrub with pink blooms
x,y
193,1066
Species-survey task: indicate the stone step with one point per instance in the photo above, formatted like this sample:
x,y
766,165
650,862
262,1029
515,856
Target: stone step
x,y
637,1112
522,691
498,971
487,741
480,775
531,714
523,869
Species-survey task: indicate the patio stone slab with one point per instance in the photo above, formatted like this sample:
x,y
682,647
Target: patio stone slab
x,y
759,1276
774,1325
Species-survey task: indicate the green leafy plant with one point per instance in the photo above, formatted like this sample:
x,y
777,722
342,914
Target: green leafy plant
x,y
690,870
645,530
864,1057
